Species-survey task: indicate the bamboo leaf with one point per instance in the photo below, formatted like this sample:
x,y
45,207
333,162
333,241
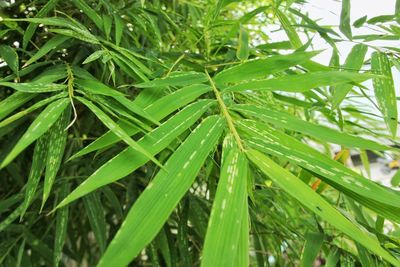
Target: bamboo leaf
x,y
333,257
226,220
159,109
52,74
13,102
345,26
39,126
96,87
242,253
360,22
117,130
10,57
242,52
37,168
30,30
95,213
129,160
90,13
384,90
258,68
35,106
311,249
34,87
395,181
161,196
62,217
94,56
314,202
354,62
107,23
365,162
56,145
119,28
10,218
302,82
52,44
175,79
380,199
288,121
74,28
290,31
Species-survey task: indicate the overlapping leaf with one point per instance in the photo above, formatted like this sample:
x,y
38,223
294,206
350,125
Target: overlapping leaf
x,y
378,198
307,197
301,82
129,160
163,193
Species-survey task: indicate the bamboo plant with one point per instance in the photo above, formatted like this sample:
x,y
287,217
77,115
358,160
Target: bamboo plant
x,y
178,133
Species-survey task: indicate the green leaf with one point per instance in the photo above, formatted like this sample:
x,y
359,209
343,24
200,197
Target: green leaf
x,y
30,30
289,29
96,87
38,165
242,52
159,109
52,74
345,26
94,56
10,218
74,28
119,28
50,45
302,82
62,216
38,127
107,23
95,213
132,107
88,11
314,202
176,79
365,162
354,62
311,249
378,198
395,181
56,145
333,257
397,11
228,211
360,22
288,121
384,90
28,110
129,160
9,55
87,37
156,203
117,130
258,68
242,252
13,102
34,87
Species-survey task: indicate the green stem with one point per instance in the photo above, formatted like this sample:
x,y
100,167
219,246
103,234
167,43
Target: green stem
x,y
226,114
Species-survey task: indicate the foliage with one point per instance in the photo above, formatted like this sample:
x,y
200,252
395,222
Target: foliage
x,y
177,133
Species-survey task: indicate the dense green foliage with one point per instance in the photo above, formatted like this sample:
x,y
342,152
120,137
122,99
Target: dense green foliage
x,y
177,133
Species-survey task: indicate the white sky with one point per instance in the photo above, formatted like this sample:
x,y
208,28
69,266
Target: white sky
x,y
327,12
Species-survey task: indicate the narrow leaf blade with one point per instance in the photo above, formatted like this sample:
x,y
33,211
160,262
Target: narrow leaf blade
x,y
161,196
